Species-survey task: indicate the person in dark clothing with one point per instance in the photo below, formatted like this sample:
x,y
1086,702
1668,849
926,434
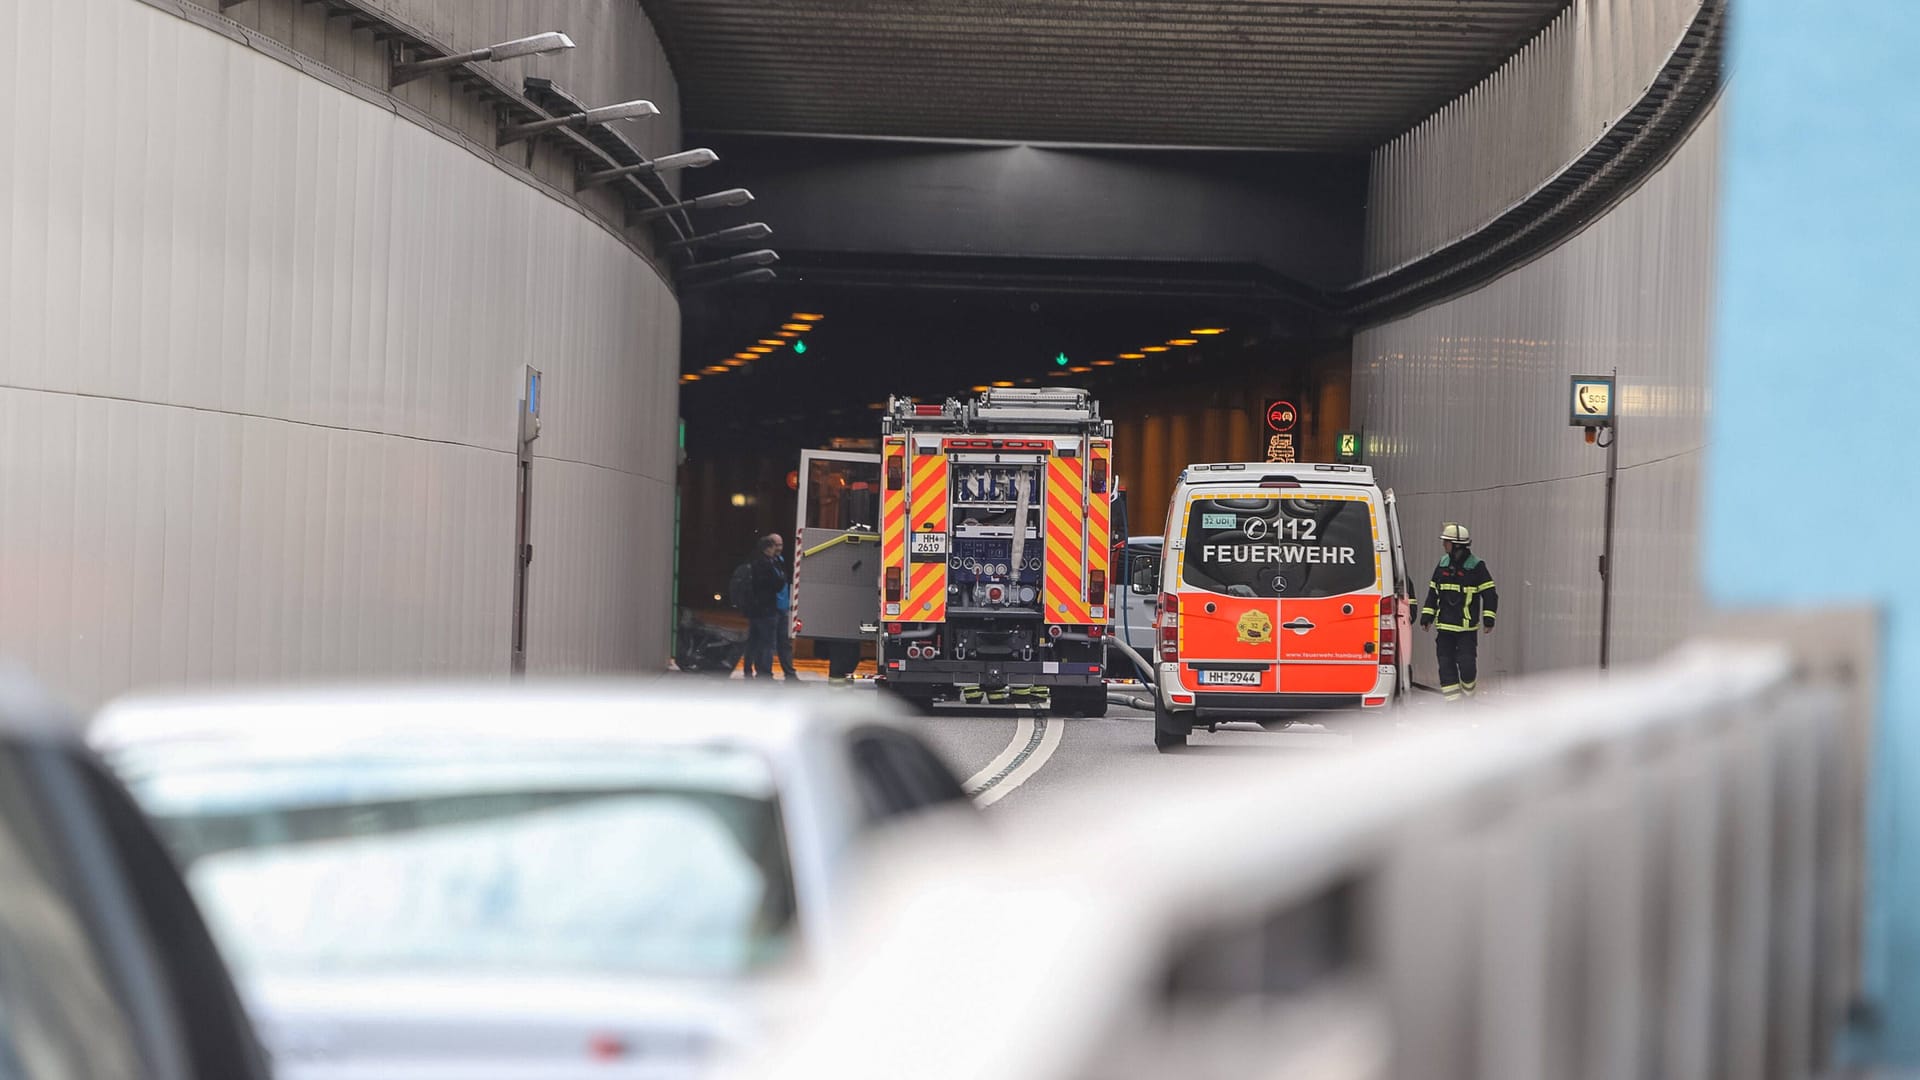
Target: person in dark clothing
x,y
783,634
763,608
1461,604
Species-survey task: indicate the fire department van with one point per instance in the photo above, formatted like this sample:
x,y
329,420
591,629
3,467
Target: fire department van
x,y
1283,593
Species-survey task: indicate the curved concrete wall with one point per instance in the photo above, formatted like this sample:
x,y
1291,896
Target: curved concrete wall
x,y
1465,405
261,348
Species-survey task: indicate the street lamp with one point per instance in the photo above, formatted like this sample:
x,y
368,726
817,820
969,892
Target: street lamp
x,y
763,257
731,197
605,114
685,159
737,234
506,50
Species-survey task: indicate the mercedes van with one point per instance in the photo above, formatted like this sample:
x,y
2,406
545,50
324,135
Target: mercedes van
x,y
1283,594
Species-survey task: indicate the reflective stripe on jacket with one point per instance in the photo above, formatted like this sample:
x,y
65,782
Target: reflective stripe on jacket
x,y
1461,595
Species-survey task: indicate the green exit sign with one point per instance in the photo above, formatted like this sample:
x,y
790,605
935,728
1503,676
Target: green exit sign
x,y
1347,448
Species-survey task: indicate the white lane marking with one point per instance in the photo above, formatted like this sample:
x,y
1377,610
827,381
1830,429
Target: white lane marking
x,y
1051,730
1022,737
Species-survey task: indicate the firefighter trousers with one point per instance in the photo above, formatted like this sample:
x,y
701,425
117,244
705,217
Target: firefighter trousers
x,y
1458,652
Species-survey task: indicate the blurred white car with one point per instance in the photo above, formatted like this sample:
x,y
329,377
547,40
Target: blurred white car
x,y
492,881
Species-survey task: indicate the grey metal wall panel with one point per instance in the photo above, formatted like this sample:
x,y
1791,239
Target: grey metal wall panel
x,y
1487,150
260,356
1465,408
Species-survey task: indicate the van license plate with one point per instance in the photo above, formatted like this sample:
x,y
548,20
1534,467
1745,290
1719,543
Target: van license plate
x,y
1229,678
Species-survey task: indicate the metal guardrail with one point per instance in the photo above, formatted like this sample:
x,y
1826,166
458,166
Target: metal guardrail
x,y
1656,875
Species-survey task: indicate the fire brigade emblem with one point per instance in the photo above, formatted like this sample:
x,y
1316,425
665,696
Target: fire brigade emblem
x,y
1255,628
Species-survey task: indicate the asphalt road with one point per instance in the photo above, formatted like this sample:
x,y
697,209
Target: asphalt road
x,y
1020,762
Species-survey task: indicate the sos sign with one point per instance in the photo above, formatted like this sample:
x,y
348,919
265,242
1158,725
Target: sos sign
x,y
1281,416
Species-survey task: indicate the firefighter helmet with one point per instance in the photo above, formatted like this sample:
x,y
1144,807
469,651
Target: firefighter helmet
x,y
1456,533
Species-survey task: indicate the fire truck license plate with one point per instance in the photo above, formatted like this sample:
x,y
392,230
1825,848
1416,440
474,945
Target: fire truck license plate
x,y
1229,678
930,543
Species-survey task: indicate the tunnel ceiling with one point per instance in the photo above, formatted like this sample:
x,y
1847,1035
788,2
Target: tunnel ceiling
x,y
1342,75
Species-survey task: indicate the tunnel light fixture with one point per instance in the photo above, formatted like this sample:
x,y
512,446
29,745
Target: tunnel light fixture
x,y
713,369
760,350
807,316
775,342
1154,348
1207,331
1133,356
1078,369
1003,382
506,50
796,327
690,377
712,201
737,234
734,363
1057,373
983,388
1103,363
789,333
1184,341
685,159
605,114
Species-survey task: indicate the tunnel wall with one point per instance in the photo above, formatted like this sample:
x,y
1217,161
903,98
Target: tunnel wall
x,y
1465,406
263,352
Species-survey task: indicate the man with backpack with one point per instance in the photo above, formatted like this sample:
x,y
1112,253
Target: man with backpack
x,y
755,589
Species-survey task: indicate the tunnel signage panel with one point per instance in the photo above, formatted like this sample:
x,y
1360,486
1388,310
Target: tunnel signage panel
x,y
1281,416
1591,401
1347,448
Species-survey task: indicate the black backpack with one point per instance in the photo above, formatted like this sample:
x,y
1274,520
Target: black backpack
x,y
740,587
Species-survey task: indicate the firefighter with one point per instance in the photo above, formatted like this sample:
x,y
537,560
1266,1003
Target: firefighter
x,y
1461,602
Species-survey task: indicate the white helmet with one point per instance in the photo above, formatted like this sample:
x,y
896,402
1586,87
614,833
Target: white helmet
x,y
1455,532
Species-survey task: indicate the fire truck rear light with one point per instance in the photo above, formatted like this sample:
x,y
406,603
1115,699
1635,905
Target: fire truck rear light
x,y
896,472
894,627
1094,668
1097,587
1055,631
1096,631
893,585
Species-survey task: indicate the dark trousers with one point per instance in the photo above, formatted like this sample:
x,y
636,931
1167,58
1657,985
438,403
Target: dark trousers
x,y
1459,655
763,633
783,645
843,658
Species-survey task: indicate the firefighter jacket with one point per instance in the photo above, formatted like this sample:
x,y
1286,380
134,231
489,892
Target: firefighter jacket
x,y
1461,595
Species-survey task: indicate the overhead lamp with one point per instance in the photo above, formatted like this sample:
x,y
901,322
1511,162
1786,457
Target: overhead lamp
x,y
763,257
689,377
731,197
796,327
1154,348
1057,373
506,50
760,350
789,333
1003,382
605,114
685,159
1208,330
1078,369
982,388
1103,363
737,234
736,362
713,369
775,342
1133,356
807,316
1183,341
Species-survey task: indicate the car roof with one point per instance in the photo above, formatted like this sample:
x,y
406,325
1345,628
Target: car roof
x,y
658,711
1306,472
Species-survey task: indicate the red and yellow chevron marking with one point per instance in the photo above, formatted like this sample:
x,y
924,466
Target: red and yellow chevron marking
x,y
893,519
1100,528
1064,591
927,581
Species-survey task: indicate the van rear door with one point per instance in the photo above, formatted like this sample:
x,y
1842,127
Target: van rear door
x,y
1403,588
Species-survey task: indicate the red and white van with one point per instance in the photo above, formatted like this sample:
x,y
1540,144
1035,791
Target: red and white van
x,y
1283,593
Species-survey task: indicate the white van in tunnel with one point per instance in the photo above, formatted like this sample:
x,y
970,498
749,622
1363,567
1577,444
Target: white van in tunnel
x,y
1283,592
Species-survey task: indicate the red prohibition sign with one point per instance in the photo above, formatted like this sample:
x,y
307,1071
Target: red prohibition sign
x,y
1281,416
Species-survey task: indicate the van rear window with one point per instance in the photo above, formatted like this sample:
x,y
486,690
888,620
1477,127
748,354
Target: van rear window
x,y
1279,546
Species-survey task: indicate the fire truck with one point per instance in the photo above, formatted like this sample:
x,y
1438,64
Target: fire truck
x,y
974,549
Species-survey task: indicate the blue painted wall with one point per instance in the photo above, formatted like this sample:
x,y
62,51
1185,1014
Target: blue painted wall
x,y
1817,377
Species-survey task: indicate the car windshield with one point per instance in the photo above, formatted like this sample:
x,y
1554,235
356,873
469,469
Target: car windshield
x,y
1296,547
669,863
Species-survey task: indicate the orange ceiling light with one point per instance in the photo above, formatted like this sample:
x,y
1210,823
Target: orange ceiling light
x,y
1004,382
1133,356
1207,331
1056,373
736,362
761,350
788,334
1079,369
796,327
1154,348
716,369
689,377
1184,341
773,341
1103,363
807,316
